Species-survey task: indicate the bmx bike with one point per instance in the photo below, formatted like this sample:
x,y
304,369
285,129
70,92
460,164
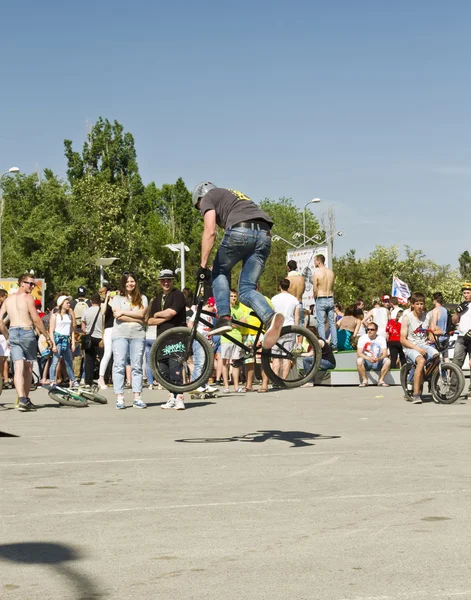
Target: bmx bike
x,y
445,379
77,397
172,351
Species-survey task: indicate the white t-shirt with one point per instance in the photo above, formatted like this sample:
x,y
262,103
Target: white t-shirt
x,y
373,348
63,324
380,317
201,327
465,322
285,304
125,329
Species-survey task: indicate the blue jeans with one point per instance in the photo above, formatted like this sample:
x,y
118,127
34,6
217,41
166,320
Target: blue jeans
x,y
324,366
150,377
68,360
198,359
325,307
252,247
122,349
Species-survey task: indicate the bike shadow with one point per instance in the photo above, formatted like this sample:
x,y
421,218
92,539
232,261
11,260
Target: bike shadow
x,y
188,405
297,439
53,556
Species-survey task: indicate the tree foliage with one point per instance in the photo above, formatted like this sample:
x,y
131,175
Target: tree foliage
x,y
371,277
60,228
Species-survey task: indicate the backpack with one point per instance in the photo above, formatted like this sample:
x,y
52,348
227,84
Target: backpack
x,y
79,310
449,323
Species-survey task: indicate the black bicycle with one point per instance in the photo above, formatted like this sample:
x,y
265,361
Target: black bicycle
x,y
173,350
445,379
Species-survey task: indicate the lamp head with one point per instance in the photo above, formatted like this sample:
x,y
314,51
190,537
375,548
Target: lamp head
x,y
315,200
13,170
340,233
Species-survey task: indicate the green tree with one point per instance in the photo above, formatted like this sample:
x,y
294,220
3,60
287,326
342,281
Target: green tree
x,y
465,265
288,219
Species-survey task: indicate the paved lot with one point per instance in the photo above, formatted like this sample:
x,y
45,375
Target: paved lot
x,y
312,494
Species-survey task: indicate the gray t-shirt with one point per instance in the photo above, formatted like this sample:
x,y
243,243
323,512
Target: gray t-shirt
x,y
417,330
88,317
231,207
123,328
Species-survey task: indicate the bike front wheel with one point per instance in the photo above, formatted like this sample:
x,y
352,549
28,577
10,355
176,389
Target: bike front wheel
x,y
175,357
68,398
286,364
447,383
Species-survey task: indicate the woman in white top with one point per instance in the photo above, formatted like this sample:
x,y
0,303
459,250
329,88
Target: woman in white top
x,y
129,333
61,328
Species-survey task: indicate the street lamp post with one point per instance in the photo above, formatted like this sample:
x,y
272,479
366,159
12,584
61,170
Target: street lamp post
x,y
102,263
313,201
11,171
180,248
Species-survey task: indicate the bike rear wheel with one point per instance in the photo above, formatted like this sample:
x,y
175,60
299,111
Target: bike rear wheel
x,y
93,395
406,381
447,385
68,398
284,363
171,357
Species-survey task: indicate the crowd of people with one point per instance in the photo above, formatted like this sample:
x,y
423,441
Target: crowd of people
x,y
78,336
108,337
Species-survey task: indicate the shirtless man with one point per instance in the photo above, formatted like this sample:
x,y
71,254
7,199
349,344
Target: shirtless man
x,y
24,319
297,285
324,279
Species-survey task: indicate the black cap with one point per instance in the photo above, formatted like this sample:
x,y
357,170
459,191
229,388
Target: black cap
x,y
82,290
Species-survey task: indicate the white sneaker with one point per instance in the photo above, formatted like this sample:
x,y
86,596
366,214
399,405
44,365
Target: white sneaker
x,y
169,404
120,402
273,332
179,404
210,389
139,403
151,387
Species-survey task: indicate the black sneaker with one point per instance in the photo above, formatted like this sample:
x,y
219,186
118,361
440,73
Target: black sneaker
x,y
25,405
223,325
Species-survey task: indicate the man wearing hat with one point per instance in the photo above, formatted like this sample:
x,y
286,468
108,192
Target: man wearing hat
x,y
167,310
462,318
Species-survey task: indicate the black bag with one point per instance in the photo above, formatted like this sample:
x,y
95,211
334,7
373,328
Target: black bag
x,y
87,343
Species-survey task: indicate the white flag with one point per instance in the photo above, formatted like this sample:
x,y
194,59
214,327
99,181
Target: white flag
x,y
400,290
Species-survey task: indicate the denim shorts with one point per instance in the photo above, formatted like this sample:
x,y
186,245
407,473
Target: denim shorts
x,y
370,366
23,344
411,355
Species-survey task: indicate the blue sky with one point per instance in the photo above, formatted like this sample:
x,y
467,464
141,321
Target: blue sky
x,y
365,104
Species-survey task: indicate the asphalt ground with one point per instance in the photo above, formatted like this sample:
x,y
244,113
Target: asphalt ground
x,y
315,494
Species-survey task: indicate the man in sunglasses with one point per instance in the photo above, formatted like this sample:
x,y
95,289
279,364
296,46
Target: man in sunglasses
x,y
372,355
247,239
24,319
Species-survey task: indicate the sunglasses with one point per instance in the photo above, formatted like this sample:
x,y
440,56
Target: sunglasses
x,y
125,273
371,329
31,283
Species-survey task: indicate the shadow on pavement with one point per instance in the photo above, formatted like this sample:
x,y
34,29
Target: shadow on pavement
x,y
188,405
53,556
297,439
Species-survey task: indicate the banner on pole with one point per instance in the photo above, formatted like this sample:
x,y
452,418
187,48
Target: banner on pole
x,y
304,258
400,290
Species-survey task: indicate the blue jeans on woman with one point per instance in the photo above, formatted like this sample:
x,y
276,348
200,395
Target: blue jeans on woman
x,y
325,307
198,359
68,360
150,377
252,247
122,349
